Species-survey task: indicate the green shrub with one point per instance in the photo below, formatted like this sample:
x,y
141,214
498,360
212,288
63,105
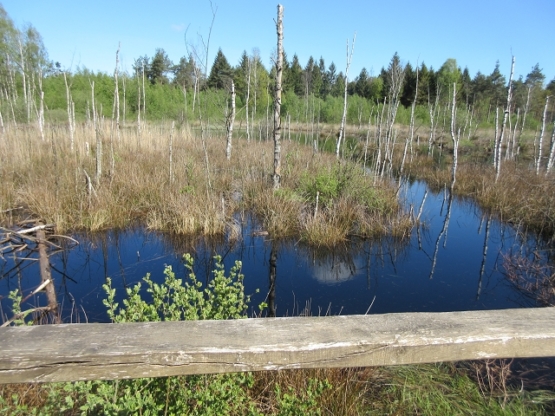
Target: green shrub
x,y
175,299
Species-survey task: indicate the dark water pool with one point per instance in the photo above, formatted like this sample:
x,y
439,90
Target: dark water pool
x,y
453,262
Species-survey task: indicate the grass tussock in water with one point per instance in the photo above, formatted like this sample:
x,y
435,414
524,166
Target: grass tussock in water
x,y
321,201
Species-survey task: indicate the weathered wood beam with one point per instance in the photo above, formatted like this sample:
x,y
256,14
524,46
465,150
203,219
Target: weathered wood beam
x,y
114,351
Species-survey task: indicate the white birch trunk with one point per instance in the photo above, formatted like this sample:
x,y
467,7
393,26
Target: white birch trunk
x,y
24,79
455,136
344,116
230,121
93,106
540,144
69,112
116,93
503,125
411,137
277,99
41,108
551,152
247,99
171,152
138,108
144,95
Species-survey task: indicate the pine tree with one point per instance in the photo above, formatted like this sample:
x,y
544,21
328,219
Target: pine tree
x,y
221,73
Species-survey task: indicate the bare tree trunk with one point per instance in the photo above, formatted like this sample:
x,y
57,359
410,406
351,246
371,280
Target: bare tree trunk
x,y
255,61
551,152
495,139
344,116
230,121
247,99
93,106
411,137
116,93
98,156
124,99
540,145
138,108
171,152
41,108
499,141
513,135
277,99
2,130
24,79
526,109
46,276
144,95
69,111
455,136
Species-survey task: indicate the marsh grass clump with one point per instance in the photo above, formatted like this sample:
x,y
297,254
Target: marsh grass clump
x,y
202,194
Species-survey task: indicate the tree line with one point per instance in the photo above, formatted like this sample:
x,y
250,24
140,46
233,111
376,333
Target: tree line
x,y
33,87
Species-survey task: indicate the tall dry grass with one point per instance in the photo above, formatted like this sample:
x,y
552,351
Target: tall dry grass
x,y
49,181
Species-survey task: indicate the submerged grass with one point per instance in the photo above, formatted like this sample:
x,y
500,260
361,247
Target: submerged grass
x,y
202,193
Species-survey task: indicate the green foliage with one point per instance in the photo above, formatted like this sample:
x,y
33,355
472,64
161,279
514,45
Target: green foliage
x,y
293,403
175,299
326,184
345,181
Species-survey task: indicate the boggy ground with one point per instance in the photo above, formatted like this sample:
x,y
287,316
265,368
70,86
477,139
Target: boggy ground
x,y
321,201
202,196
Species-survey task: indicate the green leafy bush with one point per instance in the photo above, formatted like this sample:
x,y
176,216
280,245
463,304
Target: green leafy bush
x,y
175,299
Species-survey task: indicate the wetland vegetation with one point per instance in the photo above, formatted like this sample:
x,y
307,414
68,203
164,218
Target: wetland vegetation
x,y
92,151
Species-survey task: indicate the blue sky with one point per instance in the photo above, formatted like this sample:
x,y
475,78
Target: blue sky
x,y
476,33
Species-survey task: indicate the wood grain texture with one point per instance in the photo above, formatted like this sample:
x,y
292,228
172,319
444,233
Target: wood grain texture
x,y
114,351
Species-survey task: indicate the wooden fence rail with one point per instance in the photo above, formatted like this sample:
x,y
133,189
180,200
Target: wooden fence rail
x,y
73,352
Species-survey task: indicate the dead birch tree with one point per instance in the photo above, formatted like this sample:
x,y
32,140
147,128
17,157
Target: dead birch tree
x,y
341,135
138,107
455,137
499,139
247,98
542,131
551,159
70,107
24,79
115,110
171,152
229,122
277,99
40,118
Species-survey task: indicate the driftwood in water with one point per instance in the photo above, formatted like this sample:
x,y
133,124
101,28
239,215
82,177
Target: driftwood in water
x,y
31,241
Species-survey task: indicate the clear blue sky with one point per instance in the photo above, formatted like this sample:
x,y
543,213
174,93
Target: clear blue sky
x,y
476,33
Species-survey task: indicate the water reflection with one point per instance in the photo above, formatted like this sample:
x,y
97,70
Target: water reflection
x,y
421,274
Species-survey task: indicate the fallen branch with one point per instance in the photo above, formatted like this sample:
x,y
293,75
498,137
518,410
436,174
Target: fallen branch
x,y
37,228
23,314
10,210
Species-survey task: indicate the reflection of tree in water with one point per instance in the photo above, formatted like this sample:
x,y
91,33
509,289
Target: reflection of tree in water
x,y
272,285
484,256
442,233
